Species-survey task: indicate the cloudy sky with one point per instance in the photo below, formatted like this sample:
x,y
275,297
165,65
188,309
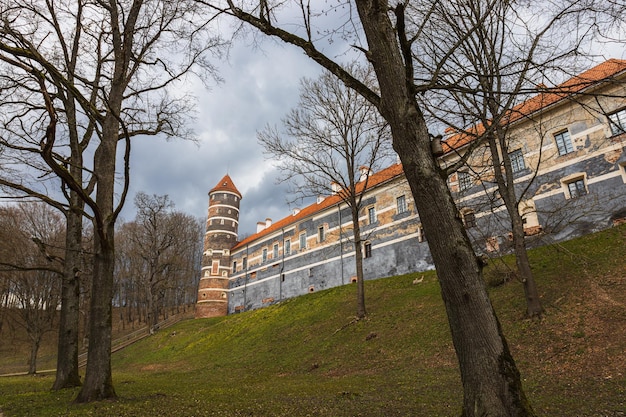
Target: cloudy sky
x,y
260,84
259,87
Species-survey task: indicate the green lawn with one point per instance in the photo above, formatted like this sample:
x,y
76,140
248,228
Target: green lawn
x,y
309,357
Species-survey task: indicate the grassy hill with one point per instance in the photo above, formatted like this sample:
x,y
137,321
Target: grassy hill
x,y
308,356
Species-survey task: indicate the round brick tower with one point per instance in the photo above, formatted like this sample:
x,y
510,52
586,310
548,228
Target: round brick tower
x,y
221,235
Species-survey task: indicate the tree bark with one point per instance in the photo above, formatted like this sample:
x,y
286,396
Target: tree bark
x,y
491,381
98,383
361,312
67,375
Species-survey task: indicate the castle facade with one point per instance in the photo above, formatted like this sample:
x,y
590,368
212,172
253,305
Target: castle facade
x,y
568,152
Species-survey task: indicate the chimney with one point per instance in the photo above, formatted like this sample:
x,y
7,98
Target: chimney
x,y
295,211
335,187
365,172
268,222
320,198
260,226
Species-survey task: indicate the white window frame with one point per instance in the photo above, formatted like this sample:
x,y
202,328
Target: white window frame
x,y
401,206
617,121
517,160
464,180
574,179
371,215
563,142
471,221
302,240
367,249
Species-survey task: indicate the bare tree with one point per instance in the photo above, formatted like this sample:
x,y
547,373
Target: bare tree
x,y
491,381
160,239
334,138
131,52
491,72
31,234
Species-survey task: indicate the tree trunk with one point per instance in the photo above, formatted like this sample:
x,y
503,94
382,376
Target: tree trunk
x,y
98,383
67,375
491,381
34,349
506,186
534,307
361,312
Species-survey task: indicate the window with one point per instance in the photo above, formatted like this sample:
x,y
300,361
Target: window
x,y
264,254
287,247
401,204
576,188
234,266
244,263
517,160
320,234
275,250
302,241
563,143
371,215
367,250
469,219
465,180
215,267
617,121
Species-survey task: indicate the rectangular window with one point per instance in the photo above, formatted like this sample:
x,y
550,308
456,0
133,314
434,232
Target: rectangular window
x,y
302,241
371,215
367,250
287,247
517,160
469,219
465,180
264,254
215,267
564,143
234,266
244,262
275,250
320,234
401,204
576,188
617,121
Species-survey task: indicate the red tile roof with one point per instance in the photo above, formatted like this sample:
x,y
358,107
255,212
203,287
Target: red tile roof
x,y
226,184
601,72
576,84
374,180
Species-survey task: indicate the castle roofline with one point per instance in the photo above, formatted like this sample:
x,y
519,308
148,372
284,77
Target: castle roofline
x,y
226,184
373,181
605,71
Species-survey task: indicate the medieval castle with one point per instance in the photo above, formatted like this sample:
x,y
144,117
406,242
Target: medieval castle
x,y
568,153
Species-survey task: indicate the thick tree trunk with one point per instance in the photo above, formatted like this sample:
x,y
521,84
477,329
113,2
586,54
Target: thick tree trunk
x,y
491,381
98,383
67,375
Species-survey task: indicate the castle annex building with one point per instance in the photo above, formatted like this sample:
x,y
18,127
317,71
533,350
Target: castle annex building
x,y
567,147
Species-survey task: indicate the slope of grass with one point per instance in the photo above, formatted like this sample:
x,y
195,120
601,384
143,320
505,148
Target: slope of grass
x,y
308,356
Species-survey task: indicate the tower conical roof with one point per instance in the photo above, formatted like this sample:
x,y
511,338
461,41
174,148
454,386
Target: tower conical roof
x,y
226,184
